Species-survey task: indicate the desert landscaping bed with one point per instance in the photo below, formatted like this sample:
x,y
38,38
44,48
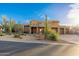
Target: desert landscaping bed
x,y
32,37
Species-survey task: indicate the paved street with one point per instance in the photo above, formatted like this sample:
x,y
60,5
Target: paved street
x,y
37,49
9,48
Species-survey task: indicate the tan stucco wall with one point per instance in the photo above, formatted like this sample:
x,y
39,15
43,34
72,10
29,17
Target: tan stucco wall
x,y
53,24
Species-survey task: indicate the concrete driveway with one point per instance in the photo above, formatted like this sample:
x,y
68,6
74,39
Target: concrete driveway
x,y
74,38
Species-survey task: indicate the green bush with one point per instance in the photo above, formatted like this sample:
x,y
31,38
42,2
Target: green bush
x,y
53,36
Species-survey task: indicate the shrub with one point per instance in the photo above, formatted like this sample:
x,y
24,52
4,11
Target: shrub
x,y
1,34
17,36
53,36
23,34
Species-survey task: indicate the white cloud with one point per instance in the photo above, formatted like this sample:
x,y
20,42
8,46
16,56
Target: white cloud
x,y
73,14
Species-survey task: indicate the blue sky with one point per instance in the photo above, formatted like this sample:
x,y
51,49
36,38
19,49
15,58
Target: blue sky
x,y
22,12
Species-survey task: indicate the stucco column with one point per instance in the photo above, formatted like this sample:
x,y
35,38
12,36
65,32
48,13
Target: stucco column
x,y
64,30
59,30
37,30
29,30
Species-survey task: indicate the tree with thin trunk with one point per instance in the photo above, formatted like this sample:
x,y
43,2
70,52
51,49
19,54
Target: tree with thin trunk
x,y
30,27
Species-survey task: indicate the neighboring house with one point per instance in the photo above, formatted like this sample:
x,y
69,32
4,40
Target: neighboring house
x,y
26,29
18,28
